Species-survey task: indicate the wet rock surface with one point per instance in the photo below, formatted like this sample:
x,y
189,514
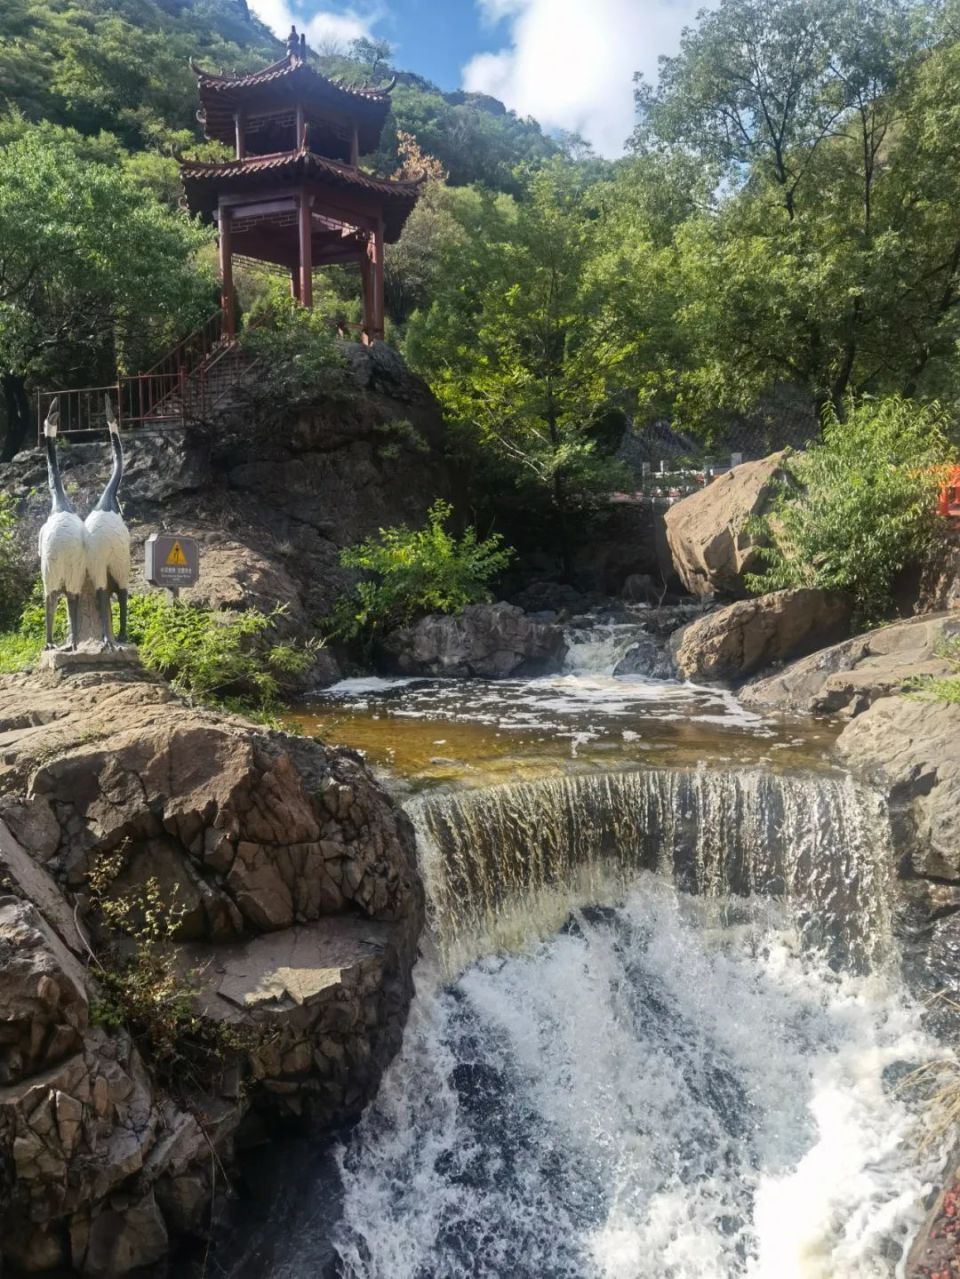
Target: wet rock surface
x,y
489,641
302,909
706,532
750,635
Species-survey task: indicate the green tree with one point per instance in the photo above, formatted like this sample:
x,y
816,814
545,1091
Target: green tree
x,y
511,350
828,256
93,271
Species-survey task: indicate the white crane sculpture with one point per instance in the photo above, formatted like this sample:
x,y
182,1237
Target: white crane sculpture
x,y
108,542
63,557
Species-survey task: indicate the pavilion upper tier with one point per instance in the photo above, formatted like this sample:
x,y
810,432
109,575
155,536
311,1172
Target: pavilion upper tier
x,y
262,106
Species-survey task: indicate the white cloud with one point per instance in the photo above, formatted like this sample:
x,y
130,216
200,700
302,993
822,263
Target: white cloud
x,y
570,63
321,27
341,27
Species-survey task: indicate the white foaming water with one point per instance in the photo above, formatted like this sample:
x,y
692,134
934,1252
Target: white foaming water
x,y
670,1089
597,649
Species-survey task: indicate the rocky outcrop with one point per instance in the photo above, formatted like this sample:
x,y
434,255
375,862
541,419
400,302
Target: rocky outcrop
x,y
272,492
490,641
300,908
911,749
939,587
848,677
710,548
750,635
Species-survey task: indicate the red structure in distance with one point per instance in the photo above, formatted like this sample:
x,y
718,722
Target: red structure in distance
x,y
294,194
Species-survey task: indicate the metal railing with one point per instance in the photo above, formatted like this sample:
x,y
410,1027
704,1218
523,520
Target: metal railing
x,y
174,390
82,410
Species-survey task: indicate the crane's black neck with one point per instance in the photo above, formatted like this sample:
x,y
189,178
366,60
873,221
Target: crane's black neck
x,y
60,503
108,498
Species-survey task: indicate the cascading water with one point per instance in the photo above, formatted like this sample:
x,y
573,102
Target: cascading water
x,y
522,855
648,1094
683,1084
659,1029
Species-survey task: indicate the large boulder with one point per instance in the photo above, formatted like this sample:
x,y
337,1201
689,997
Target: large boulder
x,y
752,634
490,641
848,677
911,748
710,548
301,909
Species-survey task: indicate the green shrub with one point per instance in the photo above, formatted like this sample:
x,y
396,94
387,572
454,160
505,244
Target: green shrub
x,y
416,572
225,659
296,351
859,506
14,585
22,644
220,659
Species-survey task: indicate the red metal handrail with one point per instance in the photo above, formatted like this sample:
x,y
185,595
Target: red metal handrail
x,y
177,389
82,410
191,352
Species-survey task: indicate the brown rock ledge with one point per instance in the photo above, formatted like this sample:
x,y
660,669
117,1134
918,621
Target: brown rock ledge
x,y
303,910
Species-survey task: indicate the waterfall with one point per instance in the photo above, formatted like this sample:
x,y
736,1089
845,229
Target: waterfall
x,y
651,1093
614,648
597,649
510,861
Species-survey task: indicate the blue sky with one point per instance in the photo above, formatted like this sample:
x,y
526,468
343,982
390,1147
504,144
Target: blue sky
x,y
569,63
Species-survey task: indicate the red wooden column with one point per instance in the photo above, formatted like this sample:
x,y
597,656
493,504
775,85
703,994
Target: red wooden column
x,y
295,284
306,252
377,264
366,293
226,272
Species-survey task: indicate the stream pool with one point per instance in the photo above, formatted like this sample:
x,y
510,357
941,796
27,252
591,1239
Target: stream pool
x,y
660,1029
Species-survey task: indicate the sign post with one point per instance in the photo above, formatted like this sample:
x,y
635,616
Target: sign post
x,y
171,560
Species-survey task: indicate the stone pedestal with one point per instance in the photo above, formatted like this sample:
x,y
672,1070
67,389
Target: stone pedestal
x,y
90,653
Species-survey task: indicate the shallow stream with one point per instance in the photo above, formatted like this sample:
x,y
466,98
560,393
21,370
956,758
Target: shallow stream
x,y
660,1024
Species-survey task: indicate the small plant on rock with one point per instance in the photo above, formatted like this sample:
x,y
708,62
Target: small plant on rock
x,y
414,572
143,985
945,688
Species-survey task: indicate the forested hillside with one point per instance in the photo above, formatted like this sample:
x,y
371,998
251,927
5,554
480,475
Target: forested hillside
x,y
783,230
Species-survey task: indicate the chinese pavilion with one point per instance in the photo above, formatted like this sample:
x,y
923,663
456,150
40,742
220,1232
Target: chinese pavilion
x,y
294,193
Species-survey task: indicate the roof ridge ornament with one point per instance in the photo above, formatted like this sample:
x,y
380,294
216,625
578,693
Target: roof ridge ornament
x,y
296,46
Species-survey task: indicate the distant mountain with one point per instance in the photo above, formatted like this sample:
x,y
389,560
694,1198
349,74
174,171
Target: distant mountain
x,y
122,66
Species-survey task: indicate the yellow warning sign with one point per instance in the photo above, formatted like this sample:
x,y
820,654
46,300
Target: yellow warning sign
x,y
176,555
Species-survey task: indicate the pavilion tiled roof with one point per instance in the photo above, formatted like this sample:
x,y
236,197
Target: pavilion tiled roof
x,y
285,68
204,179
289,79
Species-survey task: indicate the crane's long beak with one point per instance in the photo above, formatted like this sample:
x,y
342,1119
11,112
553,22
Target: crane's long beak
x,y
112,422
52,419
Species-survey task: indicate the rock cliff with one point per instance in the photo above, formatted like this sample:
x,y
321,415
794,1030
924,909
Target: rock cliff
x,y
272,494
298,912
